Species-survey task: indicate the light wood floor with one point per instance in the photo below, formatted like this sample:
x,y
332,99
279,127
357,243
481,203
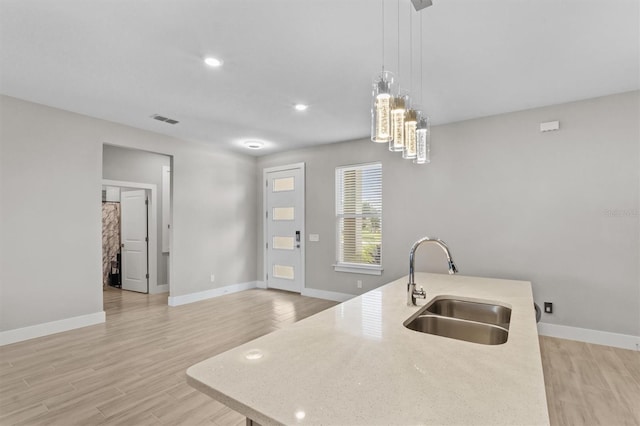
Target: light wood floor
x,y
131,370
590,384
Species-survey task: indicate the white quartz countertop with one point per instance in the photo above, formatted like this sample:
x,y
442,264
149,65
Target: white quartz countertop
x,y
356,363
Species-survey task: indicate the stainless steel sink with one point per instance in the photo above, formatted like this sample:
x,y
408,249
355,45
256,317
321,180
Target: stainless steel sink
x,y
484,323
473,311
469,331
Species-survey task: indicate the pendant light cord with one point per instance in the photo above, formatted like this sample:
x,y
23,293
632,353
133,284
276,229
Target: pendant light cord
x,y
382,4
410,50
398,45
421,64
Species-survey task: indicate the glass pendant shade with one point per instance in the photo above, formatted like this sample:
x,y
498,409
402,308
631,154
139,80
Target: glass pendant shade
x,y
381,108
398,111
410,126
423,137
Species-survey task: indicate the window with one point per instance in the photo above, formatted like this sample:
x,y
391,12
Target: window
x,y
359,219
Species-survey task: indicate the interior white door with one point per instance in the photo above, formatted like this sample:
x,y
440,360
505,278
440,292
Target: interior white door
x,y
134,236
285,229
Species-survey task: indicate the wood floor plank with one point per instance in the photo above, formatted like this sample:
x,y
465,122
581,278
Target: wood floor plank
x,y
20,414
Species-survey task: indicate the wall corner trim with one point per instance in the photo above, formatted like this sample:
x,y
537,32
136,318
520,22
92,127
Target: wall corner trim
x,y
160,288
327,295
624,341
39,330
210,294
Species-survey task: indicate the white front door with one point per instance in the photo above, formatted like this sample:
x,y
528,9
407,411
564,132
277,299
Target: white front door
x,y
135,270
284,226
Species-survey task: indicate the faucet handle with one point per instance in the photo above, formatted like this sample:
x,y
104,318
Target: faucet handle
x,y
420,293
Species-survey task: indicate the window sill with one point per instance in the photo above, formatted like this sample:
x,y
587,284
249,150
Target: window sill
x,y
358,269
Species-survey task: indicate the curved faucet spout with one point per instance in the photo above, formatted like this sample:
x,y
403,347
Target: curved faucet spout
x,y
412,293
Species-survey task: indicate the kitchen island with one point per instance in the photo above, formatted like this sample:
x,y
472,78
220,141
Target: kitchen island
x,y
356,363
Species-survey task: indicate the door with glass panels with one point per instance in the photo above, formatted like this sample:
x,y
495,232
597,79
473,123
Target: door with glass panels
x,y
284,230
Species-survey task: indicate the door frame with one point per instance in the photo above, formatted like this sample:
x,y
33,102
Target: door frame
x,y
152,229
265,236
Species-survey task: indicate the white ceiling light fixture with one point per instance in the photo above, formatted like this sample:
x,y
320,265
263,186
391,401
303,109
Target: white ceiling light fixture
x,y
254,144
213,62
301,107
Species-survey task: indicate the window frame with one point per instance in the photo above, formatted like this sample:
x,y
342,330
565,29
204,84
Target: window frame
x,y
351,267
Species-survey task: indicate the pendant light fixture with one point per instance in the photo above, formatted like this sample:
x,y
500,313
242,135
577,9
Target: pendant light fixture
x,y
399,107
381,108
398,112
411,116
423,134
410,125
423,130
381,131
393,120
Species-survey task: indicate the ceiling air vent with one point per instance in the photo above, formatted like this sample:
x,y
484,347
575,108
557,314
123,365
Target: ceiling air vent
x,y
165,119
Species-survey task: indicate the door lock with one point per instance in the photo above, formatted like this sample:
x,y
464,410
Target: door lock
x,y
298,239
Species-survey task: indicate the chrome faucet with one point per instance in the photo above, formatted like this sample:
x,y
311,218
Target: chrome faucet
x,y
412,292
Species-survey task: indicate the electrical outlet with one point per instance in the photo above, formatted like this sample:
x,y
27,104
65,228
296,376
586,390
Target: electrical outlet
x,y
359,283
548,307
213,278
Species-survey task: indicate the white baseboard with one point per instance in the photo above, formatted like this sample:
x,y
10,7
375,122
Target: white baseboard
x,y
327,295
319,294
209,294
160,288
624,341
53,327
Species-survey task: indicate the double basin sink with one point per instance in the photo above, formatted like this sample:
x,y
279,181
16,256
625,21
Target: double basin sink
x,y
472,321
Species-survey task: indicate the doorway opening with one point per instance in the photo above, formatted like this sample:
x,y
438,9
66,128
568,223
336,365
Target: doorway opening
x,y
128,236
136,192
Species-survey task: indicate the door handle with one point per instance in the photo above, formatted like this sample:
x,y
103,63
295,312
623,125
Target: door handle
x,y
298,239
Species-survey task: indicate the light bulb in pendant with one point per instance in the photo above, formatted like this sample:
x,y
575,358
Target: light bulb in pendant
x,y
410,125
398,112
423,136
381,108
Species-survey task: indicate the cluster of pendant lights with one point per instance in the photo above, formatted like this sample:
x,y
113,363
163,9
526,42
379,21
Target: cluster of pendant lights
x,y
394,121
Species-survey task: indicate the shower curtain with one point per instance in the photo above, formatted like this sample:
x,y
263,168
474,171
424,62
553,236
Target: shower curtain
x,y
110,238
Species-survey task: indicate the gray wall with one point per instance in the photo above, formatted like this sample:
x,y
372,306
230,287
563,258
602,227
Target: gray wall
x,y
133,165
50,192
510,201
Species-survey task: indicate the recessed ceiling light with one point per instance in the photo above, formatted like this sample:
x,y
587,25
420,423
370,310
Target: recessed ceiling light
x,y
300,107
254,144
213,62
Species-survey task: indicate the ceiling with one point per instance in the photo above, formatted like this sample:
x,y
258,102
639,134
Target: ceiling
x,y
124,61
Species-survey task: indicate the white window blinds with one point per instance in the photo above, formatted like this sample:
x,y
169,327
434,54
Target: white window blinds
x,y
359,215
